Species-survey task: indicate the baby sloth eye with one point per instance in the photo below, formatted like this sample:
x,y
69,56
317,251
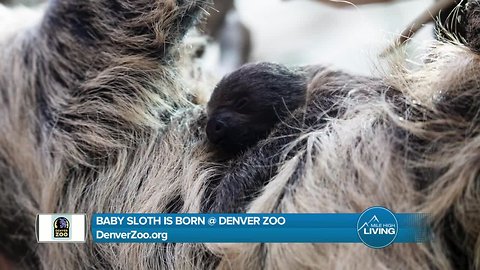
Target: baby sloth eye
x,y
241,103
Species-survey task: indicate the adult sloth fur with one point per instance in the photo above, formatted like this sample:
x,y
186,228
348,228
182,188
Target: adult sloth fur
x,y
95,117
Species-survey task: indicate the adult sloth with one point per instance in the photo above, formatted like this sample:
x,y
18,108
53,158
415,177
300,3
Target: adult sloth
x,y
95,118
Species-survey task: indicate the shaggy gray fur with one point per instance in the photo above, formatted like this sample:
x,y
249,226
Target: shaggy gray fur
x,y
95,117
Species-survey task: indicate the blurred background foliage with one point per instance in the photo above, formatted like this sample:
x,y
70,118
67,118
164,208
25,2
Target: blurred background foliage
x,y
300,32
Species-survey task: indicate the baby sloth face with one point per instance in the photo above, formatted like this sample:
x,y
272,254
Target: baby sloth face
x,y
247,103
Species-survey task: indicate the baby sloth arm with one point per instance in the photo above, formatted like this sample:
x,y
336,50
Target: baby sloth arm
x,y
246,104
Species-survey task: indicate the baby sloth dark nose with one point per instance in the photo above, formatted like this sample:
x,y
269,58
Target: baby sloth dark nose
x,y
216,130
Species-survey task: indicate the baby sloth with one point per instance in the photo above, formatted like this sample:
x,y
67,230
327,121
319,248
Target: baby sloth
x,y
246,104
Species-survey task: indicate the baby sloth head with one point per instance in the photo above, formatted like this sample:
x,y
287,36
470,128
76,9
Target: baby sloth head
x,y
247,103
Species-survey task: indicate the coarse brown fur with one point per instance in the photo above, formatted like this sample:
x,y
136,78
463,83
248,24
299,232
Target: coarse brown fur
x,y
95,117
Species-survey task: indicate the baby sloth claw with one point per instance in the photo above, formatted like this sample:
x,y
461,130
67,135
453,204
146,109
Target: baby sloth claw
x,y
246,104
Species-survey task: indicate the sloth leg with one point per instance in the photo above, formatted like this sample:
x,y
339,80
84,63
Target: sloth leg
x,y
107,69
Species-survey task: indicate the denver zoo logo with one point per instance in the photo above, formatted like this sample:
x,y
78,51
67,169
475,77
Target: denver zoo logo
x,y
377,227
61,228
